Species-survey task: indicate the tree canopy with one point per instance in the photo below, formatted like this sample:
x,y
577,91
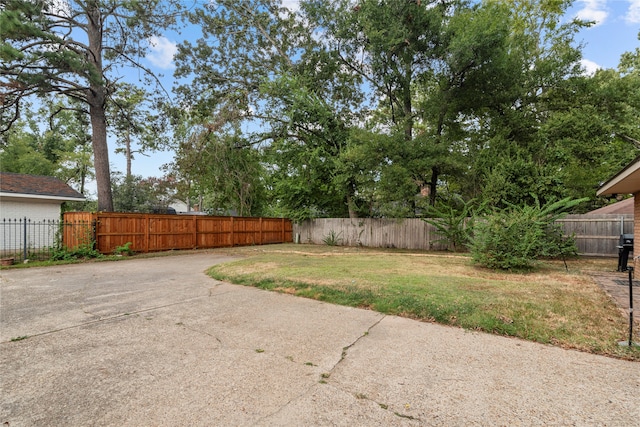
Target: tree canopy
x,y
372,108
345,108
74,49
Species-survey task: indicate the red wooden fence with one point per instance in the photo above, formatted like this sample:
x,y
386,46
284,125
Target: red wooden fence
x,y
155,232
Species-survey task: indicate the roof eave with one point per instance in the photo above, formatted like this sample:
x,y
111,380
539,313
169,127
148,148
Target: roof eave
x,y
42,197
627,181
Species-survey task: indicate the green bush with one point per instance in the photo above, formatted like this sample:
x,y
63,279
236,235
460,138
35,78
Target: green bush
x,y
454,218
516,237
83,251
124,249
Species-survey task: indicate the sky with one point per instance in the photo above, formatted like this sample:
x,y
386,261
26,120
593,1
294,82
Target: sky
x,y
617,23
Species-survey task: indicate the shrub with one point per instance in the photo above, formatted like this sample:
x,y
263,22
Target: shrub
x,y
124,249
515,237
83,251
453,218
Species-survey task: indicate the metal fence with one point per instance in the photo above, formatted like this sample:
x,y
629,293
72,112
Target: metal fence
x,y
24,238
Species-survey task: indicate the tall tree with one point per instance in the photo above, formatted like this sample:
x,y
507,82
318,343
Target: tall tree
x,y
136,128
428,64
137,194
68,139
71,48
259,67
218,168
513,160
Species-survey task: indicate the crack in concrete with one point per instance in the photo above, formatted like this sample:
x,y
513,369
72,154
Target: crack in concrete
x,y
323,376
104,319
344,354
346,349
197,331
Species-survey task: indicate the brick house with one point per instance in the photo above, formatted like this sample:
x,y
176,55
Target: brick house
x,y
627,181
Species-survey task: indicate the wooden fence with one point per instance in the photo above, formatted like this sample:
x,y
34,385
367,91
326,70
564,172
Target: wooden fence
x,y
152,232
408,233
596,235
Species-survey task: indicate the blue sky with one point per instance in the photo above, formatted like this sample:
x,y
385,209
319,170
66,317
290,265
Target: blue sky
x,y
615,32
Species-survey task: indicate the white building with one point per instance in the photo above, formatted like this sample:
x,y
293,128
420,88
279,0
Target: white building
x,y
27,200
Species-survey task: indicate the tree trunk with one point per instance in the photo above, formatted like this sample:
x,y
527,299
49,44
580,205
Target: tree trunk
x,y
127,152
407,101
96,98
101,155
83,178
433,185
353,214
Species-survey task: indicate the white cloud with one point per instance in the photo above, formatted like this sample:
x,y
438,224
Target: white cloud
x,y
292,5
589,67
593,10
161,52
633,13
60,7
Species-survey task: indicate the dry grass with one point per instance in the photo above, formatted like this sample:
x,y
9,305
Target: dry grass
x,y
548,305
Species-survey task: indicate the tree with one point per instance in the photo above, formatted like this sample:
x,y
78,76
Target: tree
x,y
130,118
137,194
21,153
514,160
53,141
68,140
259,66
218,168
428,64
71,48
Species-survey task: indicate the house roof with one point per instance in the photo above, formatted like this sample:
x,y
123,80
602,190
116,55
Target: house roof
x,y
627,181
623,207
36,187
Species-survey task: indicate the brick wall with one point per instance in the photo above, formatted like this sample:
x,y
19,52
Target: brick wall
x,y
636,231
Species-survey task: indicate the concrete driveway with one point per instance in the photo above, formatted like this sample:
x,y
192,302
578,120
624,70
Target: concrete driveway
x,y
155,342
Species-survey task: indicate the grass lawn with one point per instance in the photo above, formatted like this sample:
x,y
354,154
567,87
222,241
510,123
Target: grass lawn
x,y
548,305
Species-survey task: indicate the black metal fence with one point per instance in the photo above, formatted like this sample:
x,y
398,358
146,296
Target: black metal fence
x,y
26,239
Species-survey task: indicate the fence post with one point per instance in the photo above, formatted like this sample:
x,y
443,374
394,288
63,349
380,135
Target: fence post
x,y
232,237
24,236
147,233
282,240
195,231
94,237
260,235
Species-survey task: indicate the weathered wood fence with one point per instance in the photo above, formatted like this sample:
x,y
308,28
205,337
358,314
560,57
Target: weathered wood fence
x,y
408,233
596,235
153,232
